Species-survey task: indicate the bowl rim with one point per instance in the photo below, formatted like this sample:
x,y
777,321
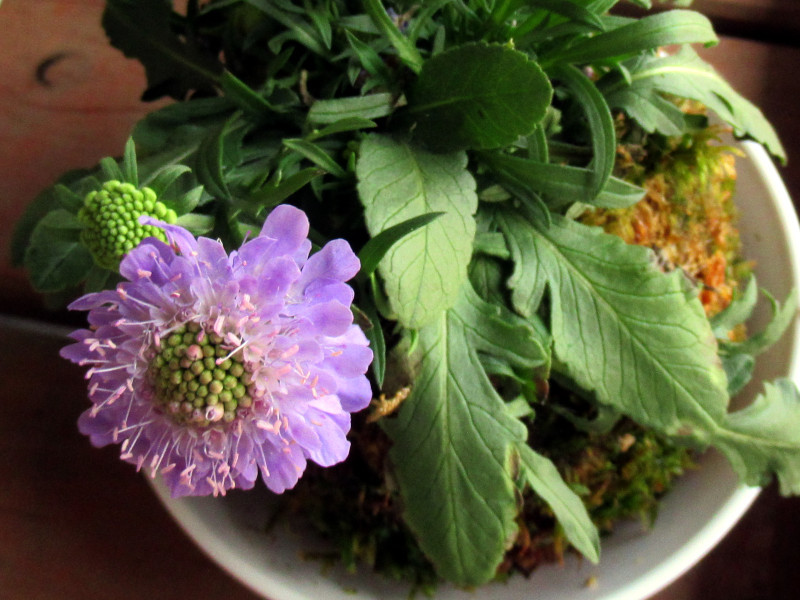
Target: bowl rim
x,y
643,586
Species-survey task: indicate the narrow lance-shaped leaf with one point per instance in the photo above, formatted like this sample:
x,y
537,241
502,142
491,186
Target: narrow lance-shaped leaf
x,y
601,124
562,184
648,33
406,50
341,126
376,248
544,479
478,96
372,106
426,269
456,481
317,155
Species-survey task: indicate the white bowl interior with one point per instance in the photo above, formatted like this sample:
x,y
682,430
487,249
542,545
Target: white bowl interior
x,y
634,564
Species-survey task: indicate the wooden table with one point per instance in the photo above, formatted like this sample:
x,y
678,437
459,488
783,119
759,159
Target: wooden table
x,y
75,522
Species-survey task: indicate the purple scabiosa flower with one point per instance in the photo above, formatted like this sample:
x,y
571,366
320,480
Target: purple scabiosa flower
x,y
208,367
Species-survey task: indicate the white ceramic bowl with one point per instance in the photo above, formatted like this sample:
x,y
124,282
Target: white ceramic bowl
x,y
634,564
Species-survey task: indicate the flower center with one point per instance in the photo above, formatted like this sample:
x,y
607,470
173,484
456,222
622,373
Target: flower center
x,y
111,219
197,380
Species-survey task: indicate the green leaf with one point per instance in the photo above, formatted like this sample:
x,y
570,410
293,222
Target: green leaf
x,y
209,163
316,155
478,96
782,317
542,476
601,124
572,10
648,33
652,111
272,195
374,332
244,96
686,75
737,312
370,59
376,248
765,438
405,49
372,106
424,271
297,28
141,29
738,371
55,258
129,165
342,126
196,223
455,480
622,328
562,184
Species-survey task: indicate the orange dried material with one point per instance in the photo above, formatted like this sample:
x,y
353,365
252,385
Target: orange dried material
x,y
687,217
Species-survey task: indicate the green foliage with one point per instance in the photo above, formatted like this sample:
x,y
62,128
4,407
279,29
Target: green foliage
x,y
174,64
544,479
425,271
686,75
764,438
455,479
478,96
453,142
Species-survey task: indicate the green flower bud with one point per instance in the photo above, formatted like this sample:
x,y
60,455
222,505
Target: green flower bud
x,y
110,217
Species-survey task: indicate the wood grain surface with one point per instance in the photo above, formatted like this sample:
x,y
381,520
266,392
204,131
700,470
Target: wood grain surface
x,y
75,522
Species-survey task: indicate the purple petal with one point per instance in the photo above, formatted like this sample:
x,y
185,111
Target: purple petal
x,y
288,226
336,261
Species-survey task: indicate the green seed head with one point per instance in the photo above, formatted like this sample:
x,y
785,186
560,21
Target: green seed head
x,y
195,389
111,219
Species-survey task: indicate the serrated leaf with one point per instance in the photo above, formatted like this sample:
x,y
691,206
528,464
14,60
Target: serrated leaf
x,y
648,33
686,75
544,479
765,437
478,96
371,106
174,66
455,479
55,257
622,328
424,271
782,317
651,111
